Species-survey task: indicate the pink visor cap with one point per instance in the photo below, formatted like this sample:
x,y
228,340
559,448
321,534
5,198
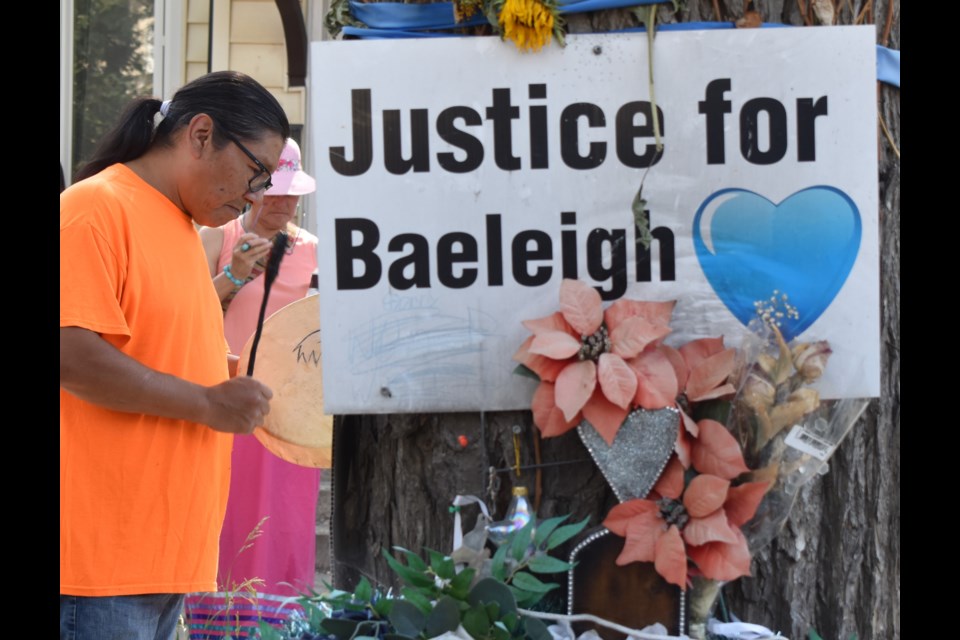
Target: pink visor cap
x,y
289,179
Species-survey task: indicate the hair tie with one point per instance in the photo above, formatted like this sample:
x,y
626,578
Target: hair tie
x,y
161,114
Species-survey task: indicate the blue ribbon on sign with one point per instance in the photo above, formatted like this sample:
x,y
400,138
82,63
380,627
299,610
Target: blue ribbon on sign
x,y
388,34
399,20
696,26
397,15
582,6
888,66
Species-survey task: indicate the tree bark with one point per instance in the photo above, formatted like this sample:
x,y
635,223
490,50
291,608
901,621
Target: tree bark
x,y
835,567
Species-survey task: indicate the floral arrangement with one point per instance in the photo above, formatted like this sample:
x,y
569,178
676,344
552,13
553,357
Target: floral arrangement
x,y
732,478
786,431
600,365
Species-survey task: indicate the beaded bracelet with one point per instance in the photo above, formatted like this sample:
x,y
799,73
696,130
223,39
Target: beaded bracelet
x,y
237,282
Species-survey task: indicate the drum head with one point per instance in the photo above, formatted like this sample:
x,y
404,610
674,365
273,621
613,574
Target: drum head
x,y
288,361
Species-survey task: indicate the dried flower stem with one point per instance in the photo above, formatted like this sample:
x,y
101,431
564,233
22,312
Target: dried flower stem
x,y
888,25
651,32
886,132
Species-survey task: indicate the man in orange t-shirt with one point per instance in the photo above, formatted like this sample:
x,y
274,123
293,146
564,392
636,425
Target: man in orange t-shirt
x,y
147,408
118,469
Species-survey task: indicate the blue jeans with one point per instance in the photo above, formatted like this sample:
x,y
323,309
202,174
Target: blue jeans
x,y
141,617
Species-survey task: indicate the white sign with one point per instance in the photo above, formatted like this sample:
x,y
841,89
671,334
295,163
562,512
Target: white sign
x,y
460,180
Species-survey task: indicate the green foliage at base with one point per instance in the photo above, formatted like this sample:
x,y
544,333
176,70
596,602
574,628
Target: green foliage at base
x,y
485,602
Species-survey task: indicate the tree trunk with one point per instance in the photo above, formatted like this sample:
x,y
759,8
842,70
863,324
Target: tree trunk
x,y
396,477
835,567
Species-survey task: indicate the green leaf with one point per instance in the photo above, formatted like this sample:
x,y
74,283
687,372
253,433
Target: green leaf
x,y
315,614
408,575
414,561
492,590
444,568
363,592
542,563
393,636
369,629
267,632
460,585
476,622
444,617
342,628
421,600
640,219
813,635
407,618
336,595
510,621
521,540
527,582
493,610
546,527
565,532
525,599
536,629
434,557
500,631
526,372
382,606
498,567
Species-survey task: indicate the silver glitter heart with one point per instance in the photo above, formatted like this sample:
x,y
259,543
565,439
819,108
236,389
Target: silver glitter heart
x,y
640,451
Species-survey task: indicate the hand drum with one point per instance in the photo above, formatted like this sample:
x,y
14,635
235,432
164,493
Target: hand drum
x,y
288,361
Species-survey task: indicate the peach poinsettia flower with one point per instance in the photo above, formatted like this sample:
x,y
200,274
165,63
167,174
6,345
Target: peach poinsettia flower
x,y
699,370
581,355
698,520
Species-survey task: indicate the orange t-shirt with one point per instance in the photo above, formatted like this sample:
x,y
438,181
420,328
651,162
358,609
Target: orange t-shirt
x,y
142,498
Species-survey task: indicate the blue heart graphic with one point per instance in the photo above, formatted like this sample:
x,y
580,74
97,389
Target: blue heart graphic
x,y
804,247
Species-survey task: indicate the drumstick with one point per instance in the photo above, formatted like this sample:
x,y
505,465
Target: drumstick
x,y
269,275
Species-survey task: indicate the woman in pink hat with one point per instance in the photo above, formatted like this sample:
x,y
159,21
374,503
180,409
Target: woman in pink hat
x,y
269,498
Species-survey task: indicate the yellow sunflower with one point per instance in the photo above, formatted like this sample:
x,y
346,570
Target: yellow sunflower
x,y
529,23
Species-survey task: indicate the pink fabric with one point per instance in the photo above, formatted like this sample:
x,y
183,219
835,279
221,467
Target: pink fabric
x,y
261,484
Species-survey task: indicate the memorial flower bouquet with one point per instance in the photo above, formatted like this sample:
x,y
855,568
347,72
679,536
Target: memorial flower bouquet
x,y
733,475
599,365
787,432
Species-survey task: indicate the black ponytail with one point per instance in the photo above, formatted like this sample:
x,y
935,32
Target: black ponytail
x,y
129,139
235,101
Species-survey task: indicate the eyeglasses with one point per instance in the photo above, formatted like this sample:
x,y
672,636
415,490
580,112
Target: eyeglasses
x,y
262,180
